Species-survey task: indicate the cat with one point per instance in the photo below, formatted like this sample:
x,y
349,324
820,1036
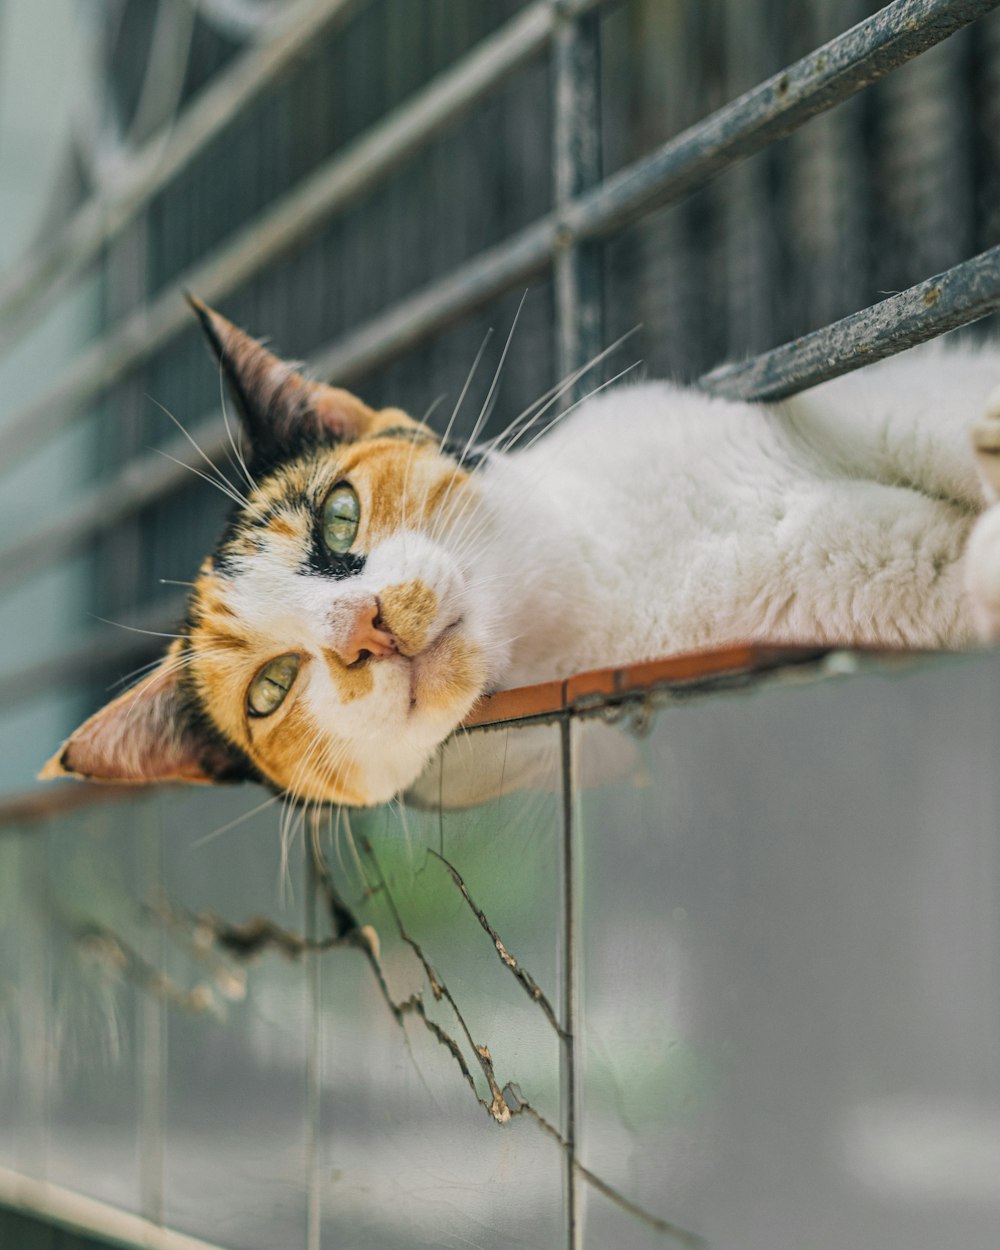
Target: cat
x,y
375,581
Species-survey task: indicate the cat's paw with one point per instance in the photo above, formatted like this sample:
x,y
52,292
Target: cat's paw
x,y
986,444
982,574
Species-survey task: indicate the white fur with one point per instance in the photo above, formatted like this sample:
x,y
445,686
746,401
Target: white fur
x,y
656,520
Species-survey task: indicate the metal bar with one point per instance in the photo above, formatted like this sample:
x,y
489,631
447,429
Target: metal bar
x,y
141,482
407,323
88,1217
103,648
576,68
568,939
838,69
333,185
33,283
960,295
576,144
679,677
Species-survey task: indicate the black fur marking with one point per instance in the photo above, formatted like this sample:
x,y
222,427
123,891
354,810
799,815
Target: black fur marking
x,y
221,759
470,458
320,560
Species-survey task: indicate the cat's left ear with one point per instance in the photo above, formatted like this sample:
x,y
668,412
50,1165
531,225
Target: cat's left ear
x,y
143,737
278,407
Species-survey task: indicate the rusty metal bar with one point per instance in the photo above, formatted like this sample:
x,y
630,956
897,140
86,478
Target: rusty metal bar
x,y
955,298
29,288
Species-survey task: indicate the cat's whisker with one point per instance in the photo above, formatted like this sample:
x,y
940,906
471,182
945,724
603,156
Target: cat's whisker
x,y
228,492
406,479
210,837
169,581
349,837
468,382
451,421
583,398
172,665
286,891
407,835
199,449
470,443
335,838
134,629
240,463
542,405
433,406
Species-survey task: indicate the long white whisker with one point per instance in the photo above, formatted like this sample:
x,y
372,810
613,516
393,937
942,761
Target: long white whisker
x,y
552,396
465,388
493,385
583,398
209,837
198,448
240,463
134,629
227,491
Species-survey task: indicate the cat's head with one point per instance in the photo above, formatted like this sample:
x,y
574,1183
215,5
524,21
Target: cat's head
x,y
334,637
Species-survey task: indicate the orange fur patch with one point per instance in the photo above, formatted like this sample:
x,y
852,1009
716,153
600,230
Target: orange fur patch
x,y
409,608
352,683
455,672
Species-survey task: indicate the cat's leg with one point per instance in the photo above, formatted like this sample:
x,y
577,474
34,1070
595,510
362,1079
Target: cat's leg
x,y
906,422
857,563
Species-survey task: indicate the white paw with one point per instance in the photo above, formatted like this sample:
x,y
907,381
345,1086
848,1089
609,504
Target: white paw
x,y
982,574
986,443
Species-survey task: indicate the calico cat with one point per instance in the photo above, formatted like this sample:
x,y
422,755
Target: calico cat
x,y
374,582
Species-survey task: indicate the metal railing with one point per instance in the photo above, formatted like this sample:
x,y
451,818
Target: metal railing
x,y
587,210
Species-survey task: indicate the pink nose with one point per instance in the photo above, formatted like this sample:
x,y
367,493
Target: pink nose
x,y
367,635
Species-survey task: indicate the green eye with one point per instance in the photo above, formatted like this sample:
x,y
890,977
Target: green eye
x,y
341,516
268,689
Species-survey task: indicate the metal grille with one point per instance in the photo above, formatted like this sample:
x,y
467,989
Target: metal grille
x,y
378,185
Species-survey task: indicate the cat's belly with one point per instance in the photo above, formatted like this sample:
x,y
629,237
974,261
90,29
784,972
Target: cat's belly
x,y
708,526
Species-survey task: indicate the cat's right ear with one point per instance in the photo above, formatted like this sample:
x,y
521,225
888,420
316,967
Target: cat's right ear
x,y
143,737
278,407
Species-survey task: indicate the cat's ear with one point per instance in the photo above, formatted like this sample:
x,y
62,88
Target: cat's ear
x,y
277,405
143,737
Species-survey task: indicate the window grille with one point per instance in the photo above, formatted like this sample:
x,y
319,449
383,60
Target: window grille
x,y
373,183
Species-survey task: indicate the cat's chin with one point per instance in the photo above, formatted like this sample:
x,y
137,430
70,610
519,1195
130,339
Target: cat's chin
x,y
445,679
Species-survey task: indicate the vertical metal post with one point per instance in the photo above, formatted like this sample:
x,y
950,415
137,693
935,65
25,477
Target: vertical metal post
x,y
576,159
567,1073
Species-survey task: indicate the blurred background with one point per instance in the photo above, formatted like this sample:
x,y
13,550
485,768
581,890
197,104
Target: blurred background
x,y
214,144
